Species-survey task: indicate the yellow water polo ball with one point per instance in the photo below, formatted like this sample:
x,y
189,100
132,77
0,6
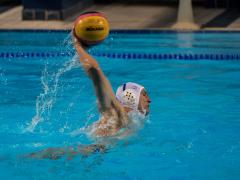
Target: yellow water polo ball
x,y
91,28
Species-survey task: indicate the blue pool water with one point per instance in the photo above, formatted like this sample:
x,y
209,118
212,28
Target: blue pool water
x,y
193,128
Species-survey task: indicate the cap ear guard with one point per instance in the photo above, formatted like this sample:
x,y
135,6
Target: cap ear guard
x,y
129,99
129,94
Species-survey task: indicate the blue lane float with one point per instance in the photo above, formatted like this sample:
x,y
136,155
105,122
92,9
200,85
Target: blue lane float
x,y
123,55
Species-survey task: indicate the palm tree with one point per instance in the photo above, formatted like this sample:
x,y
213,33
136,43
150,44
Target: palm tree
x,y
185,18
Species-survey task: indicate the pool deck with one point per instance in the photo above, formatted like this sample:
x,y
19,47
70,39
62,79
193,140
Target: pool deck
x,y
125,16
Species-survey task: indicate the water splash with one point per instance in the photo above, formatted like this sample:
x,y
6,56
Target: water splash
x,y
47,98
50,83
3,79
137,121
84,130
67,44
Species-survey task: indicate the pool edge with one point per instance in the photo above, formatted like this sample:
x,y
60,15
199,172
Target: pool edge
x,y
132,31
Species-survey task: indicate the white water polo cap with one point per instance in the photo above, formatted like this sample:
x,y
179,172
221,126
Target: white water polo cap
x,y
128,95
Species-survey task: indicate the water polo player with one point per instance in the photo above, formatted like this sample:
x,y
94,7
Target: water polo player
x,y
115,110
118,113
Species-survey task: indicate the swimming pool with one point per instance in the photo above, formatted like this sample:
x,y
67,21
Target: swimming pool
x,y
192,79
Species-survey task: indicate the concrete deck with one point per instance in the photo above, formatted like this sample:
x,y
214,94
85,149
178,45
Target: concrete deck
x,y
121,16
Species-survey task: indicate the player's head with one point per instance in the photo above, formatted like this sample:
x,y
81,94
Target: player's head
x,y
134,96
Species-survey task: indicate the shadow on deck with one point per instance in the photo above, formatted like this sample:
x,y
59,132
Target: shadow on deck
x,y
224,19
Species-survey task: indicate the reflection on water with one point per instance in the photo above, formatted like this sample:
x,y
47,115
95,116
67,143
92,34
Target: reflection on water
x,y
185,40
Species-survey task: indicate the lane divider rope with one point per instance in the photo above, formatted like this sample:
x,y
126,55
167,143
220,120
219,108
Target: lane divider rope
x,y
124,55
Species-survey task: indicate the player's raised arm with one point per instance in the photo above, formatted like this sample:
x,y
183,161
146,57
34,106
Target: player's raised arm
x,y
92,28
105,95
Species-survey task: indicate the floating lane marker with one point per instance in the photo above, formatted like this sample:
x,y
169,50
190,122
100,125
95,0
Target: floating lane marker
x,y
123,55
